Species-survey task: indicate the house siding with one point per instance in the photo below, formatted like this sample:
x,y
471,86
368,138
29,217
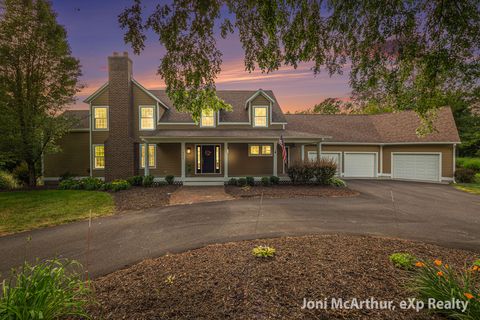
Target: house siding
x,y
168,160
241,164
72,158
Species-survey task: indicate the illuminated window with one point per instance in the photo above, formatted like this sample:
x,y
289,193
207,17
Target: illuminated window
x,y
99,156
258,150
217,158
199,158
260,116
100,115
208,118
147,117
152,155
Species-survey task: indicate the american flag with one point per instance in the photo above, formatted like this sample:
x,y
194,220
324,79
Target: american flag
x,y
284,150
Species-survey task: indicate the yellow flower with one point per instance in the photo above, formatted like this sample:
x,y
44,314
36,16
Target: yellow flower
x,y
437,262
475,268
468,295
446,266
420,264
440,273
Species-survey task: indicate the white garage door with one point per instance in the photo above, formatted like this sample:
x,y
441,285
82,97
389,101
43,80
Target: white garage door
x,y
413,166
359,165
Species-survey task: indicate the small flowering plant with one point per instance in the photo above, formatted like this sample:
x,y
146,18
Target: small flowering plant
x,y
437,280
263,252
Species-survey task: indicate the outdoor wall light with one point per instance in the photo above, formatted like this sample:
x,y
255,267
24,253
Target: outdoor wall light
x,y
189,150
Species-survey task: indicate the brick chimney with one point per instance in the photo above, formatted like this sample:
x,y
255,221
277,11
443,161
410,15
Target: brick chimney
x,y
119,147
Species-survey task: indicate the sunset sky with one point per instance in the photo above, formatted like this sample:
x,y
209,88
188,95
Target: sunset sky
x,y
94,33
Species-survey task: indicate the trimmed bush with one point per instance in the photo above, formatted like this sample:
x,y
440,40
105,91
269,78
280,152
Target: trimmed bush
x,y
337,182
232,182
469,163
45,291
135,181
464,175
170,179
70,184
117,185
266,181
263,252
91,183
250,181
21,173
324,170
274,180
241,182
67,175
147,181
402,260
7,181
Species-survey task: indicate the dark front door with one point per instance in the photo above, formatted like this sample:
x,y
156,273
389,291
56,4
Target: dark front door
x,y
208,159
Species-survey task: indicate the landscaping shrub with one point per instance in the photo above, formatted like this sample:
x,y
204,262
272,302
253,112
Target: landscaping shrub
x,y
324,170
117,185
45,291
135,181
402,260
464,175
266,181
436,280
274,180
21,173
250,181
232,182
241,182
170,179
147,181
337,182
67,175
263,252
469,163
293,172
91,183
70,184
7,181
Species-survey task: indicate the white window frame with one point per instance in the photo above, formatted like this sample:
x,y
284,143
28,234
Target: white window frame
x,y
154,117
214,120
266,116
94,128
142,166
94,157
260,154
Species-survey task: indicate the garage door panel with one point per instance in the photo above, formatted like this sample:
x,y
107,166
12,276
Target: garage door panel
x,y
359,165
416,166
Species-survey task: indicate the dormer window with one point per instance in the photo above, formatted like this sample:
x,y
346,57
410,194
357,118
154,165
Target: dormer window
x,y
208,118
260,118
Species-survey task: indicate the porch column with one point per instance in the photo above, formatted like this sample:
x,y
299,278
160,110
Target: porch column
x,y
182,156
147,159
275,160
302,150
319,150
225,160
381,161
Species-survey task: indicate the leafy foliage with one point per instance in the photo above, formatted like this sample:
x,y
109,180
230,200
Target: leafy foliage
x,y
232,182
250,181
135,180
265,181
464,175
324,170
337,182
469,163
117,185
401,54
7,181
402,260
38,77
148,181
241,182
48,290
274,180
170,179
70,184
263,252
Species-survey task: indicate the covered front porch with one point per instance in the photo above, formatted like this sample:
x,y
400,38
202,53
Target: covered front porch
x,y
213,161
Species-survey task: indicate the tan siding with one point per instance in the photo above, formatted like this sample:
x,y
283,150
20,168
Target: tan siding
x,y
73,157
240,164
168,160
260,100
141,98
446,150
102,99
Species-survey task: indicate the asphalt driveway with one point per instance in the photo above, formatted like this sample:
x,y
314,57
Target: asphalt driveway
x,y
429,212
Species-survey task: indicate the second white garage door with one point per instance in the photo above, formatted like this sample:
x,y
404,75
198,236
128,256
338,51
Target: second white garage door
x,y
360,165
413,166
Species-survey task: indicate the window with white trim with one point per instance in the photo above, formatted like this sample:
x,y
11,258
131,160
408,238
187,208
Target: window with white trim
x,y
98,156
258,150
147,117
100,118
208,118
152,156
260,116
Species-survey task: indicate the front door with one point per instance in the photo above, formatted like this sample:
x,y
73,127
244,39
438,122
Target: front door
x,y
208,159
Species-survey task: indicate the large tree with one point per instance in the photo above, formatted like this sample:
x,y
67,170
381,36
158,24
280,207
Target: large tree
x,y
38,77
402,54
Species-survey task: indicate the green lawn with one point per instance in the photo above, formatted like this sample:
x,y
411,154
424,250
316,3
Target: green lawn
x,y
25,210
469,187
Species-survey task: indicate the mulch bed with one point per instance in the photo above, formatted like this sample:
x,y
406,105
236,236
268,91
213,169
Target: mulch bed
x,y
138,198
289,191
225,281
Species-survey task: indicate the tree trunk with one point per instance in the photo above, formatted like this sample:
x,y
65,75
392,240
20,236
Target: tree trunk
x,y
32,177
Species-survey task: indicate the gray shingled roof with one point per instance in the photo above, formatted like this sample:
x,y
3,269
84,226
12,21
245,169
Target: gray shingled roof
x,y
236,98
381,128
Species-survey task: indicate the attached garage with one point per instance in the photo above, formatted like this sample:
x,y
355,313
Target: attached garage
x,y
360,165
416,166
